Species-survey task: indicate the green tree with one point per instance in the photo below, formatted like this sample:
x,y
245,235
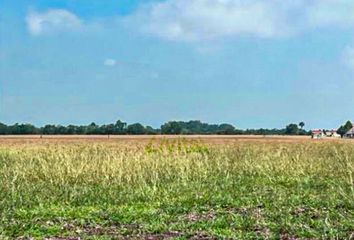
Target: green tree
x,y
302,125
49,129
226,129
151,131
61,130
171,128
71,129
93,128
292,129
345,128
4,129
136,129
120,127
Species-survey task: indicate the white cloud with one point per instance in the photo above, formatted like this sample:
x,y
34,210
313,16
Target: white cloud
x,y
196,20
327,13
52,20
110,62
348,56
206,19
193,20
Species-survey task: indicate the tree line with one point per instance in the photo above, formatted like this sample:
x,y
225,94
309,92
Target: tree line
x,y
171,127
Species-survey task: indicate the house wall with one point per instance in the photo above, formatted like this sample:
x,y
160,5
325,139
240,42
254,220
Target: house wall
x,y
316,136
349,135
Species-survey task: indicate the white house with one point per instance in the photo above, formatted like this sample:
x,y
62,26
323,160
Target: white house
x,y
350,133
317,134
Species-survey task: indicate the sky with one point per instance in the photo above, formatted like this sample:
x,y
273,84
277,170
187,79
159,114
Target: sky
x,y
251,63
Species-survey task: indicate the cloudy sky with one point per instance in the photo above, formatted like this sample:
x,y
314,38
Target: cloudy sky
x,y
252,63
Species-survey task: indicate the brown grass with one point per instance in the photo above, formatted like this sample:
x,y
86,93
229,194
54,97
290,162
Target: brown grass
x,y
144,139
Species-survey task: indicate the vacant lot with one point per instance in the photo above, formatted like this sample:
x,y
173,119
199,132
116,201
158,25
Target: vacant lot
x,y
143,139
176,188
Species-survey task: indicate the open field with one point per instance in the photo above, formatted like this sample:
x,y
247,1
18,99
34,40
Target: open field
x,y
38,139
151,136
144,139
144,187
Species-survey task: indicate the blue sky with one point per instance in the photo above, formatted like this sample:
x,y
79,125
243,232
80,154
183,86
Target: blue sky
x,y
251,63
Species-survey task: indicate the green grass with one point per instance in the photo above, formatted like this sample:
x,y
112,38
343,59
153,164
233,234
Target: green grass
x,y
177,189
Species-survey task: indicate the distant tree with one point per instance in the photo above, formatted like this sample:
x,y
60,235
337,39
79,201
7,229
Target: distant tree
x,y
60,130
49,129
24,129
80,130
186,131
348,125
71,129
193,127
302,125
4,129
150,130
341,131
292,129
226,129
15,129
120,127
136,129
344,128
107,129
93,128
171,128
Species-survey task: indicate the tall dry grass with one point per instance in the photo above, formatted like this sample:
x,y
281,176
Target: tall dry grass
x,y
120,173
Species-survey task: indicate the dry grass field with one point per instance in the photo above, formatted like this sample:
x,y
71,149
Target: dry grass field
x,y
195,187
38,139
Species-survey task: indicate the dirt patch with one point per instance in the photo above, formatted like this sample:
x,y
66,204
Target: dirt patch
x,y
262,232
96,230
167,235
195,217
202,236
121,231
299,211
303,211
286,236
63,238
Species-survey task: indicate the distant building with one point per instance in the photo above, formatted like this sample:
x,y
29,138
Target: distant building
x,y
317,134
332,133
350,133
